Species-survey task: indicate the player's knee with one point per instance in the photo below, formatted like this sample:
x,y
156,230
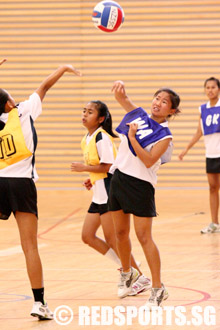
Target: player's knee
x,y
122,234
143,238
87,239
213,188
29,247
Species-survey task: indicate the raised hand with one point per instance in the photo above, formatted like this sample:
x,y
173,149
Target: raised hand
x,y
118,87
70,68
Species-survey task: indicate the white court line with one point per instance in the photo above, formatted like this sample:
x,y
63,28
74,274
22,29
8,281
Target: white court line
x,y
15,250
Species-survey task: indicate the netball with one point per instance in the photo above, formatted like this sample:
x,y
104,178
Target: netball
x,y
108,16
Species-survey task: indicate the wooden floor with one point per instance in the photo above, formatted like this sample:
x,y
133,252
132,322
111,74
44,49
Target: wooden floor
x,y
75,275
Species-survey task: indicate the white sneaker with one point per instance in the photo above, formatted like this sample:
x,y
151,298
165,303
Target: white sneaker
x,y
138,263
212,228
157,296
142,284
126,281
41,311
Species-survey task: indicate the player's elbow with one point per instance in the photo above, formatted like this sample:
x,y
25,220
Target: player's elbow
x,y
149,162
41,91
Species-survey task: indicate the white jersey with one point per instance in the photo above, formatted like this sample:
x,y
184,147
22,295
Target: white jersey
x,y
28,109
130,164
106,155
212,141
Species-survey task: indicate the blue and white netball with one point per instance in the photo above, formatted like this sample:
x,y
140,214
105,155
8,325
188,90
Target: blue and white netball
x,y
108,16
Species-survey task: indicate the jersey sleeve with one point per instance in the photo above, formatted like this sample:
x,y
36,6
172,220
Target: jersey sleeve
x,y
104,148
166,157
33,105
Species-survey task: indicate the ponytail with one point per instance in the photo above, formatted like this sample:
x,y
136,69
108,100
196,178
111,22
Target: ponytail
x,y
3,100
104,112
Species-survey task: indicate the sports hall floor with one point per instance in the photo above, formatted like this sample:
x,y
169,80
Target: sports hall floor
x,y
75,275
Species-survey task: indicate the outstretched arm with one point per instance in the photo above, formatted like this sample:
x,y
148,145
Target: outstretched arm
x,y
100,168
54,77
2,61
194,139
121,96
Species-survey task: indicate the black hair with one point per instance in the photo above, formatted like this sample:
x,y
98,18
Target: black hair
x,y
104,112
3,100
174,98
212,79
2,125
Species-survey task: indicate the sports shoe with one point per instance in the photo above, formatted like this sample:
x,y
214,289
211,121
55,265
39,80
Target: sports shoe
x,y
41,311
142,284
126,281
157,296
212,228
138,263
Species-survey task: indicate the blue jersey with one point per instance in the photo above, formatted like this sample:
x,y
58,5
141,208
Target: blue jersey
x,y
149,131
210,119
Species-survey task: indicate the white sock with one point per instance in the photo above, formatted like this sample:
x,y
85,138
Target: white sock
x,y
113,256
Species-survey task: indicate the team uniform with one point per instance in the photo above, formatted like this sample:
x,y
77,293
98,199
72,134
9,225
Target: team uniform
x,y
132,185
210,123
99,148
132,188
18,141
